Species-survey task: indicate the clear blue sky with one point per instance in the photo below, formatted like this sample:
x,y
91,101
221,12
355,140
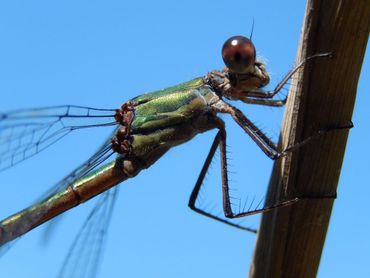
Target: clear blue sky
x,y
101,53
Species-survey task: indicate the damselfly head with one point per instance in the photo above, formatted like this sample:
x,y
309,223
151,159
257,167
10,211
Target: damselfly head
x,y
239,54
245,74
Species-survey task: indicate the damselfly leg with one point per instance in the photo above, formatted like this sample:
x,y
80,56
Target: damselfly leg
x,y
266,146
263,142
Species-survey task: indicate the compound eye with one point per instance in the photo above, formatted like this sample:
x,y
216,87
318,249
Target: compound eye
x,y
239,54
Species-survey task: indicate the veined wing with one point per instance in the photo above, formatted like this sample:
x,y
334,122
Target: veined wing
x,y
84,256
101,155
26,132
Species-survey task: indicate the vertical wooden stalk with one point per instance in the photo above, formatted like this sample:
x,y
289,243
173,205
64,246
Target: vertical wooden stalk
x,y
291,239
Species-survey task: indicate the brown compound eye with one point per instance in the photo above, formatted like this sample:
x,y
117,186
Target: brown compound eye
x,y
239,54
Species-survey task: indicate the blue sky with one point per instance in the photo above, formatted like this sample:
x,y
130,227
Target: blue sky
x,y
101,53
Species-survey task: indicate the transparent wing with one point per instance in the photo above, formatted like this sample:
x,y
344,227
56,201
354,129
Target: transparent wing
x,y
84,256
26,132
103,153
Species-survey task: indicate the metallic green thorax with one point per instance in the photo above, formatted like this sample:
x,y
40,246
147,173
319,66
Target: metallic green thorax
x,y
171,106
170,117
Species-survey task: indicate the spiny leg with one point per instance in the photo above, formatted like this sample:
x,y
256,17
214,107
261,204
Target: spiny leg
x,y
195,193
225,186
265,98
261,139
260,97
269,148
257,135
267,95
265,102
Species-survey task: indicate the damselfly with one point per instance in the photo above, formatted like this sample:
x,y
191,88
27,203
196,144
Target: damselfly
x,y
146,128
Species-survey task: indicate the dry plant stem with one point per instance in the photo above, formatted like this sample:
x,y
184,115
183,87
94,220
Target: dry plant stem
x,y
291,239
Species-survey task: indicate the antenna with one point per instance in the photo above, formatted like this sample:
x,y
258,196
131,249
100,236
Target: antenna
x,y
250,37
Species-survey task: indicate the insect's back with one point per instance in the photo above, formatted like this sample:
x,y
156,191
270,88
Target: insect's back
x,y
172,106
170,117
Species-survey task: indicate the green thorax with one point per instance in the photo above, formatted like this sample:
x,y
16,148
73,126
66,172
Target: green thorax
x,y
172,106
